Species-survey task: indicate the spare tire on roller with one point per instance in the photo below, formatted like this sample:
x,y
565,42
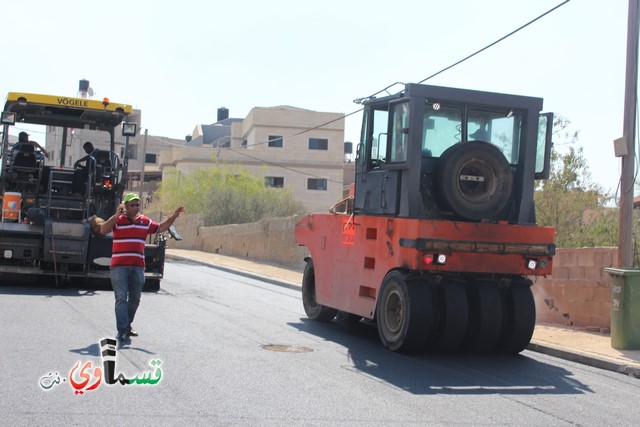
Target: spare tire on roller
x,y
474,180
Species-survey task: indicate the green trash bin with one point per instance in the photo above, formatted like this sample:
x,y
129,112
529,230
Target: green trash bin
x,y
625,308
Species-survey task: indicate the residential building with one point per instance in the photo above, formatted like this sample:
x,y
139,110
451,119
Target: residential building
x,y
289,147
217,134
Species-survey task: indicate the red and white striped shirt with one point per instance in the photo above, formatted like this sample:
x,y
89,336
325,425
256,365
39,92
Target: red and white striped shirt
x,y
128,240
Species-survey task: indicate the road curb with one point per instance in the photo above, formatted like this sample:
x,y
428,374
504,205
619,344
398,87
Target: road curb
x,y
585,359
249,274
538,347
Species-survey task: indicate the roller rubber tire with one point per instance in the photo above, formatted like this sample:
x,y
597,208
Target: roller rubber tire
x,y
314,310
485,316
404,313
520,318
453,318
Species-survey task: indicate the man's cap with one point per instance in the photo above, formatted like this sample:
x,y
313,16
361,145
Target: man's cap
x,y
131,196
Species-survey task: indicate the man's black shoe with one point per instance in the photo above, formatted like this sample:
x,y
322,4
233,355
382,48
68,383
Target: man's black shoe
x,y
132,333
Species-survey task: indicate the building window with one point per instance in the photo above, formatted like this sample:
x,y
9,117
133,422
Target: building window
x,y
275,141
318,144
317,184
150,158
244,143
274,181
220,144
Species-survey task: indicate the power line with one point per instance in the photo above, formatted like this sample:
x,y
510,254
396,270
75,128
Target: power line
x,y
359,100
496,42
254,157
283,167
343,116
232,149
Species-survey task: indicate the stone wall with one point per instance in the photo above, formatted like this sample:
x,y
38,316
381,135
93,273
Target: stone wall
x,y
577,294
268,240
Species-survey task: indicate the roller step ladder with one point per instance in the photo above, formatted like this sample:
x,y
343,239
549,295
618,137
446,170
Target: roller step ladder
x,y
67,195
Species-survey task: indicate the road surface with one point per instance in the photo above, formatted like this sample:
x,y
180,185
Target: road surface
x,y
218,348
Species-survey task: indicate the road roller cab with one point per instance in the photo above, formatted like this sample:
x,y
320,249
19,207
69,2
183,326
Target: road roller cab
x,y
443,153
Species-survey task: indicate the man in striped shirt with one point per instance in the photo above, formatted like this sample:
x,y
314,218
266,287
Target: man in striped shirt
x,y
130,229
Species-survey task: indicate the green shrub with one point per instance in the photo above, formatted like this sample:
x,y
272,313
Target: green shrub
x,y
226,195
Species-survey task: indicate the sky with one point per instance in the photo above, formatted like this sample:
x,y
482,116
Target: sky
x,y
180,61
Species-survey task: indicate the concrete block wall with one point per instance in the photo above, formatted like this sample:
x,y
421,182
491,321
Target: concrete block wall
x,y
268,240
579,291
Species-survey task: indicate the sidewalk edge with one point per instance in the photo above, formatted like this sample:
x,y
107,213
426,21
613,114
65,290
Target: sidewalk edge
x,y
585,359
250,275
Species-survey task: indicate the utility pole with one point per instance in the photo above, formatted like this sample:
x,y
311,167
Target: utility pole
x,y
143,161
625,227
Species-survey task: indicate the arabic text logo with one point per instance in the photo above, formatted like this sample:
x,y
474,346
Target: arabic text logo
x,y
49,381
88,377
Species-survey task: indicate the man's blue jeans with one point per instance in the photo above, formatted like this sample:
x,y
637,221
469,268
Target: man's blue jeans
x,y
127,283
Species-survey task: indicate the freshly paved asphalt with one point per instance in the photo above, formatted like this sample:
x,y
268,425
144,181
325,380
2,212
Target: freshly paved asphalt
x,y
238,351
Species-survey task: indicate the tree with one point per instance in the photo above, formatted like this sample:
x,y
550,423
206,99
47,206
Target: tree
x,y
569,200
226,195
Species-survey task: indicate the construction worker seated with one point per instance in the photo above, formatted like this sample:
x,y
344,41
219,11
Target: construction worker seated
x,y
98,164
481,134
